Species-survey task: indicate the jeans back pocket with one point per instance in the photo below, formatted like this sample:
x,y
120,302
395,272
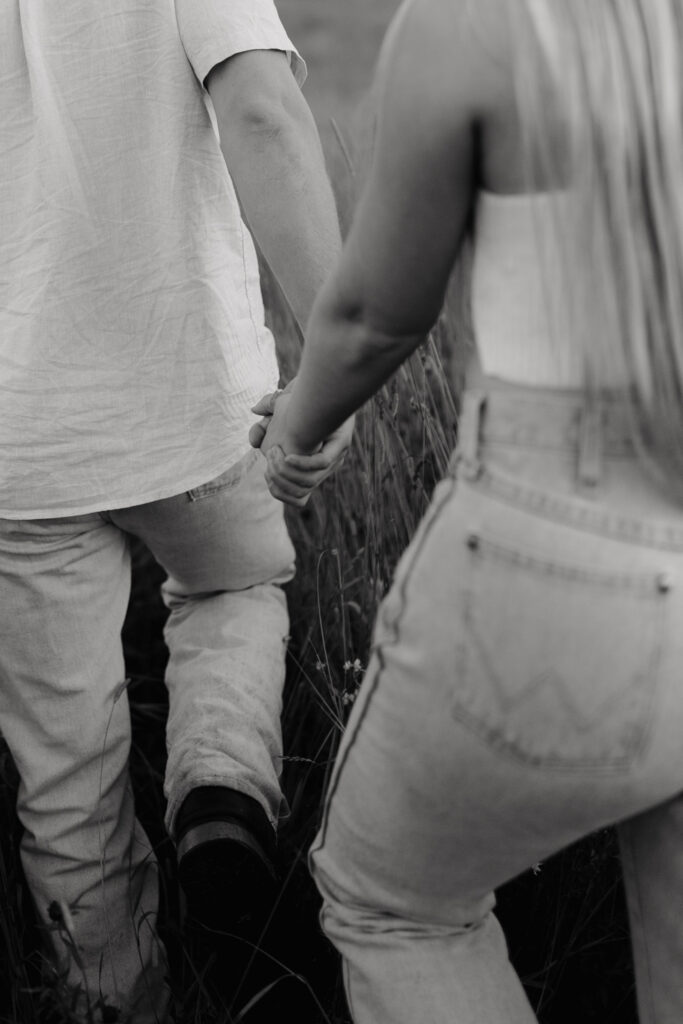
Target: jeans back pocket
x,y
557,664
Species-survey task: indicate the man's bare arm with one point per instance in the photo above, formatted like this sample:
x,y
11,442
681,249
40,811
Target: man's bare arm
x,y
273,152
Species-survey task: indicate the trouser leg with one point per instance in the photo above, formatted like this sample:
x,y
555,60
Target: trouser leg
x,y
64,714
418,943
652,856
226,551
412,920
224,722
405,971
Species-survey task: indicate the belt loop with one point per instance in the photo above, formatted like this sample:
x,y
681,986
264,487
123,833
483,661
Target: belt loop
x,y
469,433
589,469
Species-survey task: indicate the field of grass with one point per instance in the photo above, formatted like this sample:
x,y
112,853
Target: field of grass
x,y
339,40
565,920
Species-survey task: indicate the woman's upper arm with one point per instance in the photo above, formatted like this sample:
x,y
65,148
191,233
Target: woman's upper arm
x,y
432,87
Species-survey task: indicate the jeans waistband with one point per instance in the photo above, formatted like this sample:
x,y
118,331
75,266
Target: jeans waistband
x,y
550,420
587,433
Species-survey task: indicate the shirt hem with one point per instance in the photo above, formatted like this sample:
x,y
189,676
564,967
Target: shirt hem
x,y
127,501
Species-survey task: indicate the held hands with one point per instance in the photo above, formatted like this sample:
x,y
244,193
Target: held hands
x,y
292,475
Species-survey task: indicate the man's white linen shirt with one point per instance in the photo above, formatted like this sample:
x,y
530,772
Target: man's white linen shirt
x,y
132,336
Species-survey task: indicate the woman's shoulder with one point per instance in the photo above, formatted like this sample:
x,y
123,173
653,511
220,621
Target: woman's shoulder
x,y
468,59
466,45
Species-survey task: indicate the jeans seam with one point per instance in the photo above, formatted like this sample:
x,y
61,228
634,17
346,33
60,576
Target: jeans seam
x,y
379,652
643,584
560,509
346,974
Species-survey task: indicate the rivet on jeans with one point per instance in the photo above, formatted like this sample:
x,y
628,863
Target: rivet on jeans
x,y
664,582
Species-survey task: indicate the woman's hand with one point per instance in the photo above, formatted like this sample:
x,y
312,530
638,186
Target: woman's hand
x,y
292,478
292,475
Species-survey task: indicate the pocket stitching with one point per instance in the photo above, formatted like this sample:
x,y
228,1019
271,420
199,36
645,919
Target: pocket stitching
x,y
493,725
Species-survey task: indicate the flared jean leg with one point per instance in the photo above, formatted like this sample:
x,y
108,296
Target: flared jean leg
x,y
399,970
417,942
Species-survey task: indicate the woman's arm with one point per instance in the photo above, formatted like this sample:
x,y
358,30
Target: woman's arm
x,y
389,286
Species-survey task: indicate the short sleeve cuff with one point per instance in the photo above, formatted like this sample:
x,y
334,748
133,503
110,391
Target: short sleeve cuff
x,y
214,30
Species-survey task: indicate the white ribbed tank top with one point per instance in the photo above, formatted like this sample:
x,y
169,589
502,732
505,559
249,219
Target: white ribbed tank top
x,y
517,338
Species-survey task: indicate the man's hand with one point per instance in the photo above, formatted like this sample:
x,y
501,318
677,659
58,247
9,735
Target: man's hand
x,y
265,407
292,475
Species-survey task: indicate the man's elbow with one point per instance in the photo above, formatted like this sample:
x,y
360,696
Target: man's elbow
x,y
266,103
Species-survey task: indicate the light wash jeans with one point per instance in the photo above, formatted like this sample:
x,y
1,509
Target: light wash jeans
x,y
64,588
525,688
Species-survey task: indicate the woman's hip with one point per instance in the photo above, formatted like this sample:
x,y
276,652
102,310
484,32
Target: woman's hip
x,y
524,689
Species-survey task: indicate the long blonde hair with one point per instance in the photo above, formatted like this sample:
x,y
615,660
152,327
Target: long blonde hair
x,y
617,66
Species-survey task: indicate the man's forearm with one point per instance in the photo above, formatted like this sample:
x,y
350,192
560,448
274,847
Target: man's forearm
x,y
272,149
287,201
